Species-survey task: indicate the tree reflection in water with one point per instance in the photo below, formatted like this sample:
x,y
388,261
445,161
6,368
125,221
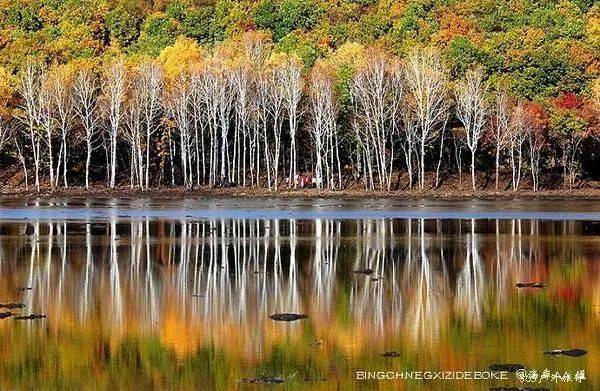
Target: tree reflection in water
x,y
440,291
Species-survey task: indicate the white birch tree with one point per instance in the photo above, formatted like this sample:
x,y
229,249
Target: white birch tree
x,y
322,119
516,140
427,99
31,84
291,79
113,89
85,97
500,126
177,101
151,85
371,91
275,106
472,111
63,102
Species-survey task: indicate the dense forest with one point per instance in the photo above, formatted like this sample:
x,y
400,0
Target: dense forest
x,y
272,93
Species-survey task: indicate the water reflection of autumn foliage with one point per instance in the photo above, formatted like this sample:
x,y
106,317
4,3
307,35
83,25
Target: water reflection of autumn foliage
x,y
159,301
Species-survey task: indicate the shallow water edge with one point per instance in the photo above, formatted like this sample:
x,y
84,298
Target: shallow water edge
x,y
300,208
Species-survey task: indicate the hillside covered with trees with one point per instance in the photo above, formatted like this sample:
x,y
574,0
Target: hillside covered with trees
x,y
262,93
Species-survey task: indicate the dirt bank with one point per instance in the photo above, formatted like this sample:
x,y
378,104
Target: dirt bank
x,y
180,193
449,188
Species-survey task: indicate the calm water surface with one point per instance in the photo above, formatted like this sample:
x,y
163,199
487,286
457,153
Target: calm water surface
x,y
170,295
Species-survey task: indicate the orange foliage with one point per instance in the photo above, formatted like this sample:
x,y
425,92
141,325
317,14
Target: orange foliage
x,y
536,115
453,25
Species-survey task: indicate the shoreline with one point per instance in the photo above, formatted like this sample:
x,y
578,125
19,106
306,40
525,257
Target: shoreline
x,y
179,193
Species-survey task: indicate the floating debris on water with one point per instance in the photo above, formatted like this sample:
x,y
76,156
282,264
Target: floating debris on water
x,y
263,379
531,285
287,317
364,271
4,315
317,343
30,317
569,352
309,379
506,367
12,306
392,353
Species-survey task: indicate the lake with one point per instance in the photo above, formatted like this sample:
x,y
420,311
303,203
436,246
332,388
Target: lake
x,y
178,294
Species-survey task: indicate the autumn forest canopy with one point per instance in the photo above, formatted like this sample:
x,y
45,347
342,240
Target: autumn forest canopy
x,y
381,94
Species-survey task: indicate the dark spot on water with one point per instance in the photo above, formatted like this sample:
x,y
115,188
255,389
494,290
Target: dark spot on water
x,y
30,317
506,367
569,352
285,317
530,285
12,306
263,379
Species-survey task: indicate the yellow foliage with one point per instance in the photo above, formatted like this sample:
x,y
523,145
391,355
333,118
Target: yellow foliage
x,y
278,59
533,37
112,52
593,31
7,90
323,68
256,45
239,62
248,48
91,64
596,92
350,53
66,71
225,55
182,55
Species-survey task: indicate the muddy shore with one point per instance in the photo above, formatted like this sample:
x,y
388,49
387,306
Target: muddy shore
x,y
450,187
125,192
